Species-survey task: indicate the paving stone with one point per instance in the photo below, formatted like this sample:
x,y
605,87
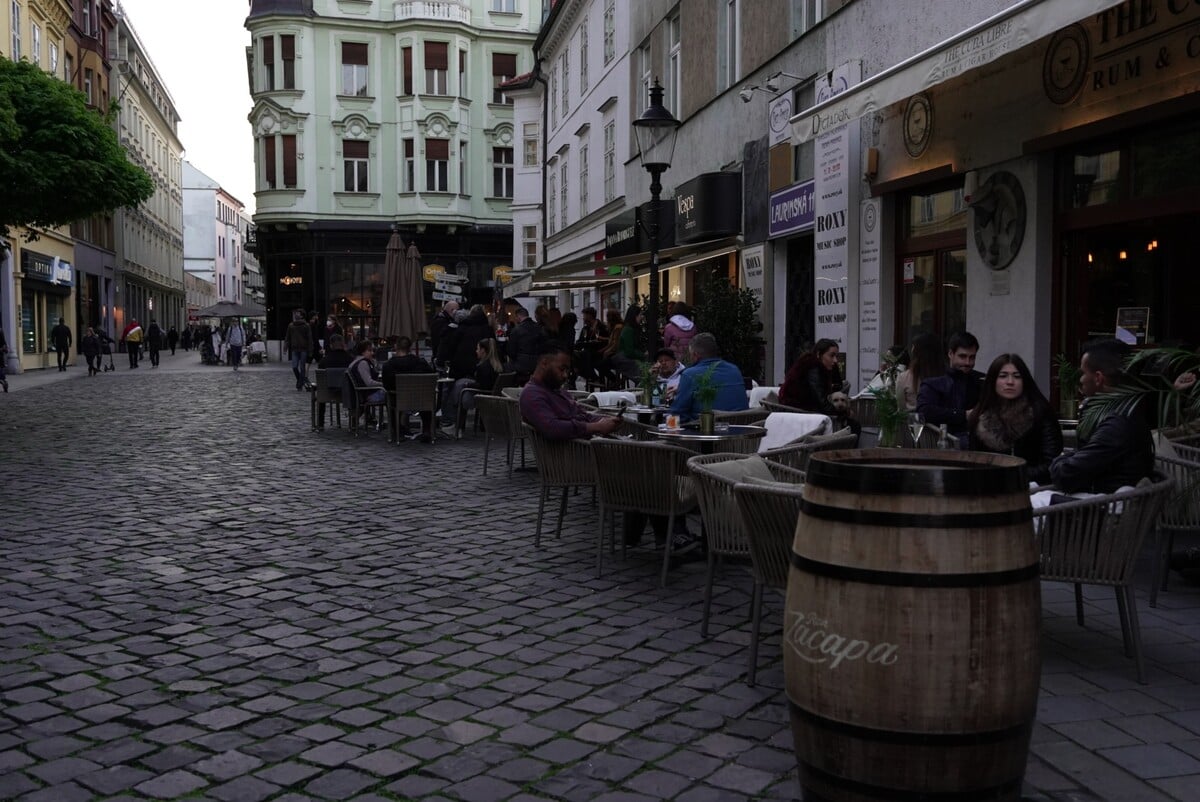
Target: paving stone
x,y
339,784
1152,761
288,774
334,753
243,789
62,770
385,762
226,765
483,789
113,779
171,785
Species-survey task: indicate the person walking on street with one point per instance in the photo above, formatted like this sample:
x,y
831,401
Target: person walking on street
x,y
299,342
60,335
154,340
172,339
132,337
91,351
235,339
3,360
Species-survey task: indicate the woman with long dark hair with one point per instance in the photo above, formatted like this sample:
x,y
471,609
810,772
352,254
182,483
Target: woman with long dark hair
x,y
630,347
926,360
1013,417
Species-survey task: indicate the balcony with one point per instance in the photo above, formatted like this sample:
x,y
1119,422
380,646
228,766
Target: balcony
x,y
442,10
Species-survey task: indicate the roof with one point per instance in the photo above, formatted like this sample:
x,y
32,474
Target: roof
x,y
294,8
523,81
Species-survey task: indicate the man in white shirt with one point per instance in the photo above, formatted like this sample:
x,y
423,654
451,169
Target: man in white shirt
x,y
668,368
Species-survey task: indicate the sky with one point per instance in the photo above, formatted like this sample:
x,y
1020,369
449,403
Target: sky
x,y
199,51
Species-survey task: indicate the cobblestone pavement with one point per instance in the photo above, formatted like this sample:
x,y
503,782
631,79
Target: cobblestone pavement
x,y
202,599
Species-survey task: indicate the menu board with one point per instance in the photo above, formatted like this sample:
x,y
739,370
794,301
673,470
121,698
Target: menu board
x,y
1133,324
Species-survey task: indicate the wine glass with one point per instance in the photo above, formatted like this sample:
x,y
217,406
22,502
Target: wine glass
x,y
916,425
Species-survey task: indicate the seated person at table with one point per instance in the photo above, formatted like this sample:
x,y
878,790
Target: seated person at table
x,y
814,384
336,356
487,368
363,369
1119,451
669,370
1013,417
731,387
947,399
403,361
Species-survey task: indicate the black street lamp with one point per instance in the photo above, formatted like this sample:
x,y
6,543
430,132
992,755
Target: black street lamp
x,y
656,131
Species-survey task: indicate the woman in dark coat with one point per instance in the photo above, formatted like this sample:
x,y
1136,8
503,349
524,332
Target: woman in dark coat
x,y
1013,417
90,345
814,377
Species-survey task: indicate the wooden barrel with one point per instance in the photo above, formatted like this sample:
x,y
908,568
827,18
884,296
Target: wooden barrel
x,y
912,626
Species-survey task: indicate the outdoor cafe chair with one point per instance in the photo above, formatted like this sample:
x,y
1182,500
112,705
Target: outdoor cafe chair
x,y
328,392
503,381
1180,513
1096,541
769,514
512,392
774,406
355,395
715,476
501,418
796,454
641,477
741,417
413,392
863,410
564,464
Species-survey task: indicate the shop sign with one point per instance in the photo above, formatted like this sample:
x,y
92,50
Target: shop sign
x,y
708,207
910,271
779,116
431,272
290,281
621,234
37,266
869,343
753,269
792,210
64,274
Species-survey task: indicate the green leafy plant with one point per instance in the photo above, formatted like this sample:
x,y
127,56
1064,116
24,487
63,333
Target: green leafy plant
x,y
890,412
705,389
1149,379
1068,380
648,380
731,315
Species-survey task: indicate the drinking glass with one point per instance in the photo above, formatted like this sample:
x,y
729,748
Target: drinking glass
x,y
916,425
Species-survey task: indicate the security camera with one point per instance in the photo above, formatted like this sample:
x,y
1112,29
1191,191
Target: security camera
x,y
772,85
746,94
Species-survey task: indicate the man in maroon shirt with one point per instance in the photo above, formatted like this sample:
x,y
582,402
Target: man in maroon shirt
x,y
550,410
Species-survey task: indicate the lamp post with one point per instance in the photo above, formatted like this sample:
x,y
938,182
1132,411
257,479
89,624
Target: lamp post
x,y
656,131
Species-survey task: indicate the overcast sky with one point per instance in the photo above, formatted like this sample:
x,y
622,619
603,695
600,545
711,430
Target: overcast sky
x,y
199,50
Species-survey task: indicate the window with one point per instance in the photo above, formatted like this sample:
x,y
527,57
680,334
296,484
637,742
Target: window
x,y
583,180
436,68
502,172
287,54
805,14
355,161
552,101
437,165
462,169
88,78
268,57
268,162
53,59
562,200
566,80
530,132
610,161
462,73
583,56
505,6
728,44
645,70
271,150
87,16
68,68
406,70
551,202
529,245
674,66
610,30
504,68
410,172
36,44
16,30
354,69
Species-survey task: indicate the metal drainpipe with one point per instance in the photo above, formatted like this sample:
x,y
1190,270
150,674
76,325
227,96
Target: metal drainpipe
x,y
537,76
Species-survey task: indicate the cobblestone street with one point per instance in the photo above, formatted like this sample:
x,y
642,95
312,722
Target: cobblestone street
x,y
201,598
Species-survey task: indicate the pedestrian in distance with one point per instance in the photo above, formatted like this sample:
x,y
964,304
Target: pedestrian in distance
x,y
298,338
185,339
132,336
154,341
60,335
3,360
235,339
91,351
172,339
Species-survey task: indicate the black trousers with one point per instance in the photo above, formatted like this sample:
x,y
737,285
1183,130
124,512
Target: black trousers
x,y
133,349
64,356
93,361
154,356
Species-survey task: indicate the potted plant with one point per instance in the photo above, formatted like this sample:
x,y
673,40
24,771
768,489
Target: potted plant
x,y
705,392
890,412
1068,386
1149,381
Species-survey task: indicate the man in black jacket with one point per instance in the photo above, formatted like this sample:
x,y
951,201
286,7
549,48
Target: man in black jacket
x,y
402,361
1119,452
947,399
525,344
60,335
438,326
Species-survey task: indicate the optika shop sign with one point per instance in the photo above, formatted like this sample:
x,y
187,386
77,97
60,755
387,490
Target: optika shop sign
x,y
811,639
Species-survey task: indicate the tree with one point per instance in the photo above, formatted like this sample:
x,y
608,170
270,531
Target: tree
x,y
59,160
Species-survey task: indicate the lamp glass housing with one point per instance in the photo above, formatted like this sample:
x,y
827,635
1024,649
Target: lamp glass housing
x,y
656,131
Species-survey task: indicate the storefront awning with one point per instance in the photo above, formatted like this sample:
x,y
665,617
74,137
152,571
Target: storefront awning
x,y
583,273
1022,24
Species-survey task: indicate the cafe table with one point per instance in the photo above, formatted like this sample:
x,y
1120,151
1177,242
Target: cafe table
x,y
726,437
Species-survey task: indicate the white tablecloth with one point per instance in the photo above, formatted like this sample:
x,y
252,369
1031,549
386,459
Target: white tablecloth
x,y
784,427
755,395
611,398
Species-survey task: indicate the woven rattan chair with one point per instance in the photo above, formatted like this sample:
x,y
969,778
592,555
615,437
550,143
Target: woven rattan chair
x,y
512,392
863,409
355,395
775,406
769,515
724,529
650,478
501,418
327,396
796,455
564,464
414,392
1180,513
1096,541
742,417
503,381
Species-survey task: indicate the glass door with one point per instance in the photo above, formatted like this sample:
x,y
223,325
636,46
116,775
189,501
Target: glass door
x,y
934,296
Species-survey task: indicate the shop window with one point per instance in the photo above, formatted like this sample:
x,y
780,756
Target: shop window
x,y
936,213
1095,179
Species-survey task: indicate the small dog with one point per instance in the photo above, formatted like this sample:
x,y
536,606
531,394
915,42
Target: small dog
x,y
841,402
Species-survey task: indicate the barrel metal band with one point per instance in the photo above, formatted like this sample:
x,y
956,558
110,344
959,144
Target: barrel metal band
x,y
933,739
953,480
869,576
1002,791
910,520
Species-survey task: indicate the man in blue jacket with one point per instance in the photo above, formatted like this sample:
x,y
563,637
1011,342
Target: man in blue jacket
x,y
947,399
731,387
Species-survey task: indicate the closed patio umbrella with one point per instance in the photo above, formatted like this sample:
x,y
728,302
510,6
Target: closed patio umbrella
x,y
403,312
231,309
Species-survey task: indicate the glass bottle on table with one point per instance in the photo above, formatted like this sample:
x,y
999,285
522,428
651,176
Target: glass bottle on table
x,y
916,427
